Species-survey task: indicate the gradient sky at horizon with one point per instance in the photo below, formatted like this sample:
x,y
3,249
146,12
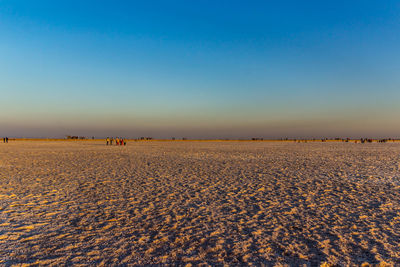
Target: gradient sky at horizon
x,y
200,69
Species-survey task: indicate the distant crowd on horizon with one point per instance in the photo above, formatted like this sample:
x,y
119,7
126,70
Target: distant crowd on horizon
x,y
118,141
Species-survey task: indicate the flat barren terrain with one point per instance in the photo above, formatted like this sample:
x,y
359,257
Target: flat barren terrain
x,y
235,203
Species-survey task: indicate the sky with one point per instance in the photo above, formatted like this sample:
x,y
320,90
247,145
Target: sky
x,y
200,69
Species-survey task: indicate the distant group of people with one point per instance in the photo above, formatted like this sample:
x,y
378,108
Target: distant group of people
x,y
5,139
118,141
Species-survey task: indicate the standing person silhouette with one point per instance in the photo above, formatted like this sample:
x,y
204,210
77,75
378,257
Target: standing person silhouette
x,y
6,139
107,140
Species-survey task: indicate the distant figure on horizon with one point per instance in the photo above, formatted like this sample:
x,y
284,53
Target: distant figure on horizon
x,y
6,139
117,141
108,141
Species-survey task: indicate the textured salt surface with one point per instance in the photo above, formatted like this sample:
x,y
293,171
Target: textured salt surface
x,y
199,202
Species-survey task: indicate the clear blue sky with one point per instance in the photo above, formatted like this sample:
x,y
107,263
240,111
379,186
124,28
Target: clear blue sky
x,y
200,69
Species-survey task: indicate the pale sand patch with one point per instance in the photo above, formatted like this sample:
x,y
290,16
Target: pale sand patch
x,y
193,203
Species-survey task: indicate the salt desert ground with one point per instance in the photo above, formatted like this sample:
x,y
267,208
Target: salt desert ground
x,y
211,203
